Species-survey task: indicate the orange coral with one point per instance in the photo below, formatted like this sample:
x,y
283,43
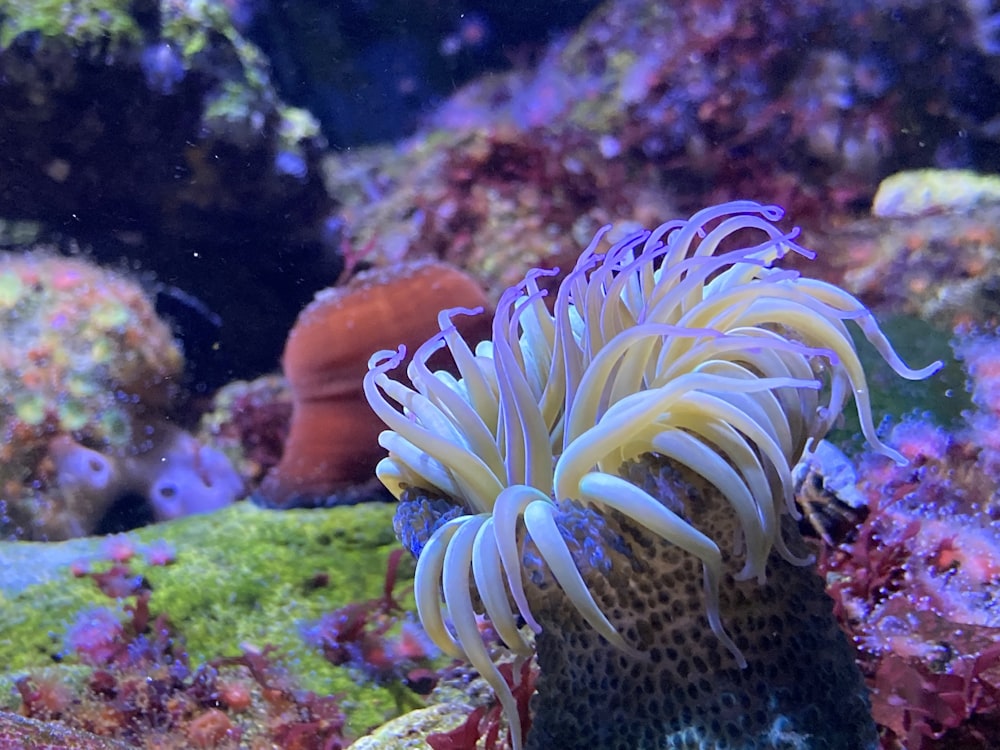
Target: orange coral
x,y
333,437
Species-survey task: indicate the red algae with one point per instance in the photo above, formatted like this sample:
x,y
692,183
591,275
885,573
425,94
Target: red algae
x,y
248,421
483,726
141,691
916,584
916,589
373,638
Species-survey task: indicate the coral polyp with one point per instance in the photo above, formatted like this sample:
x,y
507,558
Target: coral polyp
x,y
685,349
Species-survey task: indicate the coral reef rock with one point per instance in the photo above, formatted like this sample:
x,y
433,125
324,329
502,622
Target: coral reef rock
x,y
88,374
151,130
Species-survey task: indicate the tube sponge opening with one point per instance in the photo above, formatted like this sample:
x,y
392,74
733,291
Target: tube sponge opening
x,y
78,468
190,478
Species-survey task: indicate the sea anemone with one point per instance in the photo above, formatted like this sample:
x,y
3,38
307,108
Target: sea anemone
x,y
713,361
332,441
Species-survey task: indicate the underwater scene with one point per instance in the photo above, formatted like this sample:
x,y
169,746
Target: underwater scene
x,y
465,375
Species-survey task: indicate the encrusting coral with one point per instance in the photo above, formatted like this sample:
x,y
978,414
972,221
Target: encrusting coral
x,y
88,372
602,452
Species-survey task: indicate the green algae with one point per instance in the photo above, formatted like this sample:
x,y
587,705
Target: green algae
x,y
81,20
243,577
30,408
943,397
189,27
72,415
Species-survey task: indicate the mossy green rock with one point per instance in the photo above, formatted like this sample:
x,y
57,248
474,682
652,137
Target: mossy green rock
x,y
241,576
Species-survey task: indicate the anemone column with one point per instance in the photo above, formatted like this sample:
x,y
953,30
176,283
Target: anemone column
x,y
681,688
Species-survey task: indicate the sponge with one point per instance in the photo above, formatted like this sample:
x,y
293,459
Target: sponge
x,y
189,478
